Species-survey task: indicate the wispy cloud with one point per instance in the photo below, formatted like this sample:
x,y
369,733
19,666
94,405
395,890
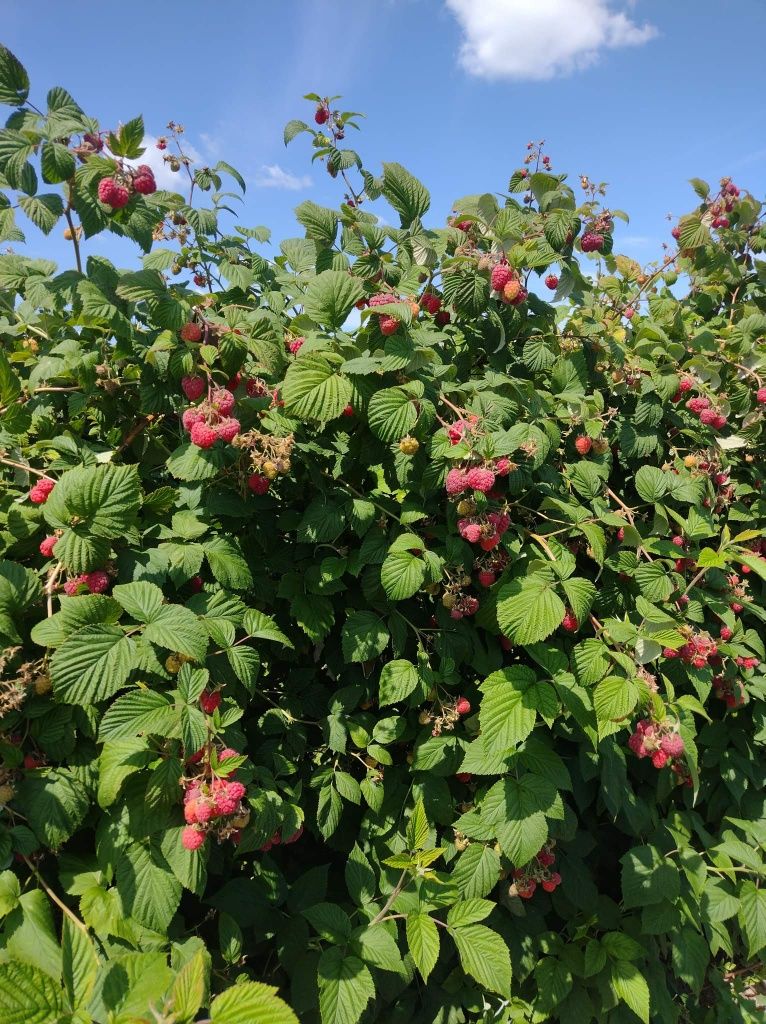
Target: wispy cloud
x,y
274,176
539,39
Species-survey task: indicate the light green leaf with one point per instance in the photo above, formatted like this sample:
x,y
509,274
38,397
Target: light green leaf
x,y
313,390
345,988
405,193
423,942
92,665
752,916
330,297
485,956
651,483
614,698
397,681
149,890
103,500
629,985
251,1002
508,711
364,636
529,609
392,414
27,995
260,626
402,575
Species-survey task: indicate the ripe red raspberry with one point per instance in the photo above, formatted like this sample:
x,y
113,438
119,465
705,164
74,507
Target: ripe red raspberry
x,y
112,194
205,811
31,761
592,242
296,345
203,435
255,388
760,396
719,421
672,744
726,634
698,404
196,584
322,114
526,889
233,382
546,857
190,417
470,531
190,810
161,144
462,706
97,581
227,795
685,384
200,280
621,533
348,410
720,222
144,183
388,325
47,546
501,275
40,492
457,481
228,429
464,225
629,312
552,883
431,303
74,586
209,702
442,318
708,417
480,479
486,578
552,282
192,838
191,332
583,444
258,484
223,400
193,387
463,776
570,623
659,759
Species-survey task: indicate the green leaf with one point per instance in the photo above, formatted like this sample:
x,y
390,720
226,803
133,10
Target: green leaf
x,y
752,916
148,888
27,995
190,987
364,636
360,878
227,563
178,629
529,609
56,162
320,223
127,141
629,985
417,827
55,803
423,942
14,81
79,963
293,128
469,912
313,390
693,233
402,574
392,414
485,956
251,1002
10,385
92,665
508,711
405,193
648,877
330,297
651,483
377,947
140,712
10,890
477,871
345,988
262,627
101,500
44,211
614,698
397,681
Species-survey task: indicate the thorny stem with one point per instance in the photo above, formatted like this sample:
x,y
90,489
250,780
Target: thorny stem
x,y
59,903
50,586
73,230
27,469
391,899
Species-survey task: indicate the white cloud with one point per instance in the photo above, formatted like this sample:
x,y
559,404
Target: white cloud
x,y
274,176
170,181
538,39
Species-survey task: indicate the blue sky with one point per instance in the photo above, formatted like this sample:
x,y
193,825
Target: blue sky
x,y
641,94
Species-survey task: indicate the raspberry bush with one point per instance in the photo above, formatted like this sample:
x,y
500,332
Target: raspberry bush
x,y
382,611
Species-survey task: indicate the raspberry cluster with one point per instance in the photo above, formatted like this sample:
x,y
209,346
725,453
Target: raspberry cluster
x,y
277,840
388,324
446,717
465,425
507,283
477,478
213,805
699,649
115,190
40,492
486,530
95,582
294,345
723,203
430,302
210,421
659,741
703,409
537,872
730,691
269,458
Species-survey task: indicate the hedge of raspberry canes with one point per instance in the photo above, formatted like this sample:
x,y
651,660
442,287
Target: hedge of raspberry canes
x,y
375,598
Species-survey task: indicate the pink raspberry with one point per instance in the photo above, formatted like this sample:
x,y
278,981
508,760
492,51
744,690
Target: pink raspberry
x,y
676,233
570,623
431,303
457,481
144,182
205,811
47,546
501,275
698,404
74,586
191,332
40,492
719,421
708,417
552,282
726,634
760,396
463,706
500,520
192,838
190,811
228,429
480,479
678,541
226,753
592,242
227,795
583,444
97,581
388,325
203,435
382,299
621,533
223,400
193,387
659,759
672,744
502,466
629,312
112,194
486,578
488,543
257,483
190,417
296,345
685,384
470,532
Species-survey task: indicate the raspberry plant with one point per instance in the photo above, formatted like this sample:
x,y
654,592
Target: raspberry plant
x,y
398,664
